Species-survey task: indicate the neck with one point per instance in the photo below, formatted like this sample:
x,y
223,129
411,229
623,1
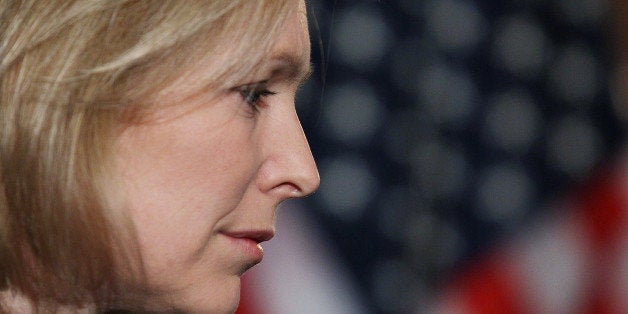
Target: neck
x,y
13,301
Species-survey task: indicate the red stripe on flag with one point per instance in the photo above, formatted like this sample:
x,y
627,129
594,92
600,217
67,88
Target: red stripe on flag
x,y
604,217
490,287
248,303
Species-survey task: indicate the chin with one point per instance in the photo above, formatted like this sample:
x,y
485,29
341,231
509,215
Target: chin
x,y
226,305
208,296
224,298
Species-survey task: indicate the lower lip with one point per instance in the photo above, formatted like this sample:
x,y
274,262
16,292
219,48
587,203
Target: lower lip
x,y
250,248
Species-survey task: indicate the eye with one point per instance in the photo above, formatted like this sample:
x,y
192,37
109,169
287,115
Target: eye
x,y
254,93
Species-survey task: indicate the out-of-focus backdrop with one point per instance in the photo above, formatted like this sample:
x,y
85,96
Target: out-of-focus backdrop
x,y
471,162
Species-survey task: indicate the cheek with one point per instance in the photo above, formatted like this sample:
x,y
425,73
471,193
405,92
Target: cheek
x,y
181,180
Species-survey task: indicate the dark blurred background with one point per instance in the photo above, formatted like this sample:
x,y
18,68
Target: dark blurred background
x,y
442,128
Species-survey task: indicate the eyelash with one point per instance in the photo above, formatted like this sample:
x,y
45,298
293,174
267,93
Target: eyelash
x,y
253,93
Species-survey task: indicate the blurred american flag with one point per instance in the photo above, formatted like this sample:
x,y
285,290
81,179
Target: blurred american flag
x,y
471,157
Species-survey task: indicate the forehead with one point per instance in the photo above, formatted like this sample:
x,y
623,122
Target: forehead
x,y
294,41
288,52
241,55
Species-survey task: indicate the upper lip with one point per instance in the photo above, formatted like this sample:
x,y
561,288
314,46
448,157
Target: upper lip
x,y
258,236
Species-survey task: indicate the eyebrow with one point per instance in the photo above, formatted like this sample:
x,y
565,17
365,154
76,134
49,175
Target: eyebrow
x,y
291,68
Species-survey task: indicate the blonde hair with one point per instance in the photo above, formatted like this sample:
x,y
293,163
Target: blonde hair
x,y
71,73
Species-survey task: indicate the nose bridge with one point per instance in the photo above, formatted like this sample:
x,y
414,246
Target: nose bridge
x,y
289,164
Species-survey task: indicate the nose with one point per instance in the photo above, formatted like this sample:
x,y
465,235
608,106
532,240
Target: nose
x,y
288,169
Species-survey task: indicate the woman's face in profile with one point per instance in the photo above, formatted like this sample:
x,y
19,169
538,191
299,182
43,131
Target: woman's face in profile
x,y
204,186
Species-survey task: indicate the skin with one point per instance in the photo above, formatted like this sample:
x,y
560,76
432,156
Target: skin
x,y
197,180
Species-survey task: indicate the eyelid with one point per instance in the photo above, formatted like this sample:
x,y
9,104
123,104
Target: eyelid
x,y
251,86
254,84
253,93
254,88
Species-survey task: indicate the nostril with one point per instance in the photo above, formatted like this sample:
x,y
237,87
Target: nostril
x,y
297,188
293,190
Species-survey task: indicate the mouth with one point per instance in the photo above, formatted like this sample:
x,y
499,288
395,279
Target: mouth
x,y
257,236
248,243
